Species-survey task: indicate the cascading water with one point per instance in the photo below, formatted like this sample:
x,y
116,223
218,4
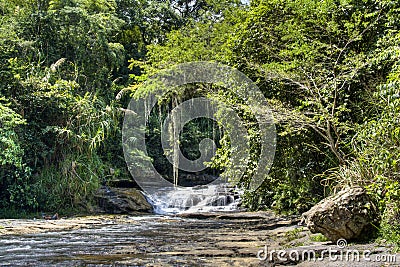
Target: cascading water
x,y
206,198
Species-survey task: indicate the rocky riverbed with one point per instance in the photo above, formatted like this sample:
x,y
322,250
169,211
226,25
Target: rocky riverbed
x,y
35,226
201,239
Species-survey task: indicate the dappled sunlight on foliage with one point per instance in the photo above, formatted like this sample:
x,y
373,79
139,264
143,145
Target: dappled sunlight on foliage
x,y
329,70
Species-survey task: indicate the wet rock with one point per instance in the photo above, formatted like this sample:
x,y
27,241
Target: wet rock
x,y
166,241
343,215
122,200
33,226
261,219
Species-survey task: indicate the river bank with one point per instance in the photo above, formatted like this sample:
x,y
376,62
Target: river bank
x,y
209,239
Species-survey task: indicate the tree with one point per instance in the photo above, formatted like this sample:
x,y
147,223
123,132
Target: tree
x,y
317,53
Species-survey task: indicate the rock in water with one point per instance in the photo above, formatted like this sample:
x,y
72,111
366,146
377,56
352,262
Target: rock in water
x,y
343,215
122,200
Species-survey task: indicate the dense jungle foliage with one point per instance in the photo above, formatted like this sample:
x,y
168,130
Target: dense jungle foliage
x,y
329,69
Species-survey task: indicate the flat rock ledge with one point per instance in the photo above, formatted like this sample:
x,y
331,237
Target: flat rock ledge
x,y
241,239
34,226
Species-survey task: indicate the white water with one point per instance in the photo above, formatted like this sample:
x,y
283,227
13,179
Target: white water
x,y
207,198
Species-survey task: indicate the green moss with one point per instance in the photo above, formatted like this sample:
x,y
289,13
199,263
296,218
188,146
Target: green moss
x,y
318,238
294,234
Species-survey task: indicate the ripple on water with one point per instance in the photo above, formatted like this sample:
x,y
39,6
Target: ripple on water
x,y
147,240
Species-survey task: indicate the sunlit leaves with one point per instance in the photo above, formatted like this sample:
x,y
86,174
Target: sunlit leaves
x,y
10,148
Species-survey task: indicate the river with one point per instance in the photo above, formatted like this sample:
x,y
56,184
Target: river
x,y
200,239
141,241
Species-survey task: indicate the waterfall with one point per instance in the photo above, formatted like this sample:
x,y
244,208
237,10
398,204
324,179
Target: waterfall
x,y
206,198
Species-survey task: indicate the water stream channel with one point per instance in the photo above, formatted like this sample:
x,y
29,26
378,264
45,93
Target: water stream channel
x,y
141,241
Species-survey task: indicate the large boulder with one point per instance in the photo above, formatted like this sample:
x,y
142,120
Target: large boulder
x,y
344,215
121,200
